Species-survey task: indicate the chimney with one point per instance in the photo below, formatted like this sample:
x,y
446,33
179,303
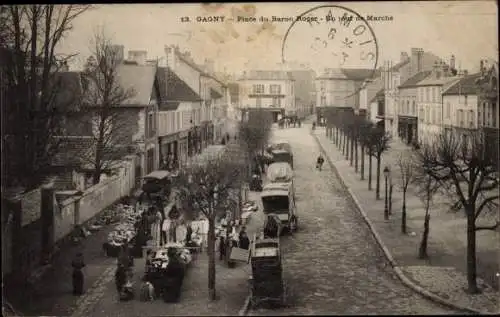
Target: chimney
x,y
436,71
404,56
138,56
416,61
171,56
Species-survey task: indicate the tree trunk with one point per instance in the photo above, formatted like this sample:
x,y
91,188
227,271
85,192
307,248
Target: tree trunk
x,y
352,149
356,155
211,259
471,253
362,162
403,215
348,137
370,172
344,143
422,251
377,188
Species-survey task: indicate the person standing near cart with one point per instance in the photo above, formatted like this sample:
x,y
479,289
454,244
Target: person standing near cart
x,y
78,264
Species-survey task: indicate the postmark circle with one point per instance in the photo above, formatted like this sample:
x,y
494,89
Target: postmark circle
x,y
333,38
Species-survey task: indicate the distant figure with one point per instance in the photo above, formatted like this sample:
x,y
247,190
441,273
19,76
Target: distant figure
x,y
147,293
120,278
244,241
78,264
319,162
222,248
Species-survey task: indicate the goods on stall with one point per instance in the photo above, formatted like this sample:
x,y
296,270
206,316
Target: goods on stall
x,y
123,233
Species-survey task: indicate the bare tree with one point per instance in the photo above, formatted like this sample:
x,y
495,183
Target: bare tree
x,y
465,163
406,166
378,144
207,184
427,187
255,134
103,95
363,136
29,36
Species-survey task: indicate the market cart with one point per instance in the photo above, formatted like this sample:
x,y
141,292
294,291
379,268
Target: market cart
x,y
267,285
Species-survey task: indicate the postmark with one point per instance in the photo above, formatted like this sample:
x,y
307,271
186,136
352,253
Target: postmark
x,y
332,37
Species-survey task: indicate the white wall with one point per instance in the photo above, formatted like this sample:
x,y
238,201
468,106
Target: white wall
x,y
335,91
246,89
456,104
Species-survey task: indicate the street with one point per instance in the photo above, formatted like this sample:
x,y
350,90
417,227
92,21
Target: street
x,y
332,264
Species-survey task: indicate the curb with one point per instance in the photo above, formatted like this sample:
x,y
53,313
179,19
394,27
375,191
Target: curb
x,y
246,306
404,279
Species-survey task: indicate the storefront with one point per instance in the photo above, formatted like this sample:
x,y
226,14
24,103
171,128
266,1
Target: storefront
x,y
183,146
408,129
169,150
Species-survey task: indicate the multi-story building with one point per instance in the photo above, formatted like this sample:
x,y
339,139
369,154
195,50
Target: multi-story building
x,y
429,101
407,108
305,93
394,75
270,90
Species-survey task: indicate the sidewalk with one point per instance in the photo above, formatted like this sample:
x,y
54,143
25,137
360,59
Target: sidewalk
x,y
52,294
231,287
442,277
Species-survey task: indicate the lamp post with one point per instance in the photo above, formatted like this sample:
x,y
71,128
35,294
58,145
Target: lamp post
x,y
386,207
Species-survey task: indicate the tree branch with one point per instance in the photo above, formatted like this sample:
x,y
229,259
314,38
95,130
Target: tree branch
x,y
493,227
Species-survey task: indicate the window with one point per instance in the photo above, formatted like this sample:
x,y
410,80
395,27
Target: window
x,y
465,100
151,124
414,109
323,101
427,115
433,116
427,94
471,118
460,118
275,89
407,107
276,102
421,114
447,110
258,102
258,89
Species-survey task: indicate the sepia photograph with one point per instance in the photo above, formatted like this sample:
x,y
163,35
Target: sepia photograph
x,y
250,159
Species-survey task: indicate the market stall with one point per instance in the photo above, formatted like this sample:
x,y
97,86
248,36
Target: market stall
x,y
124,232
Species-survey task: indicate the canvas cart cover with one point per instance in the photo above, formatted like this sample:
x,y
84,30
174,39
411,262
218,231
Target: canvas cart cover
x,y
280,172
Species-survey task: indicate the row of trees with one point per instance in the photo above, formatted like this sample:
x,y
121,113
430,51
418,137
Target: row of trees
x,y
209,185
459,165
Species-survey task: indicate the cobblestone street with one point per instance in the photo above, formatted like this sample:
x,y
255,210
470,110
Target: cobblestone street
x,y
333,264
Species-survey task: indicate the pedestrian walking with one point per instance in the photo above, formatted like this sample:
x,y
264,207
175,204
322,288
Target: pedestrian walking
x,y
222,248
78,264
319,162
120,278
165,231
244,241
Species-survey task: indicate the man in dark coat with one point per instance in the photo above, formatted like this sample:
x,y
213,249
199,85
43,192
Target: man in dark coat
x,y
78,264
222,248
244,240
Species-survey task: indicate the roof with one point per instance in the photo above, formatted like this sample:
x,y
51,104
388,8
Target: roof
x,y
437,82
465,86
414,80
177,89
214,94
356,74
198,68
140,78
398,66
267,75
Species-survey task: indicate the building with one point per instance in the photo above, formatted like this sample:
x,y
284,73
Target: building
x,y
408,111
305,92
340,88
270,90
429,101
133,128
394,75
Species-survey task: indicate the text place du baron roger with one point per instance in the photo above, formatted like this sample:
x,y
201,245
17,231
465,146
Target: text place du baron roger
x,y
286,19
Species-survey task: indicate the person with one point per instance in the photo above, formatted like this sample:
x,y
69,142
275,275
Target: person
x,y
147,293
300,123
120,278
222,248
165,231
78,264
244,240
314,125
189,233
319,162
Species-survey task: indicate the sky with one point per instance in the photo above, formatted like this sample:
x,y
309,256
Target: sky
x,y
467,29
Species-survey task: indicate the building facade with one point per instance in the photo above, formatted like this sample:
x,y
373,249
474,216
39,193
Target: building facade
x,y
305,91
429,102
270,90
408,110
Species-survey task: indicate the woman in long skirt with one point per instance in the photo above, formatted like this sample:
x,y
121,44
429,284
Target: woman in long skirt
x,y
78,264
